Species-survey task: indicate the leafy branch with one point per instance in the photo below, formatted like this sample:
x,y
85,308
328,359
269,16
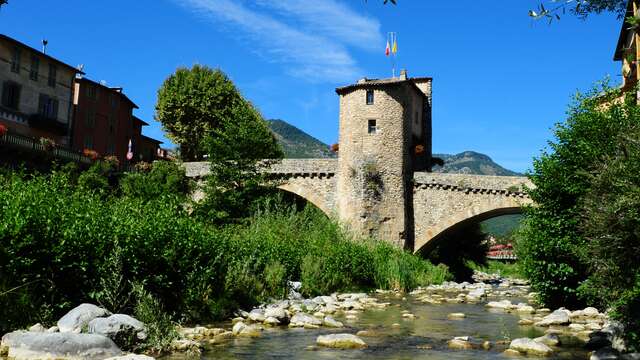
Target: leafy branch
x,y
580,8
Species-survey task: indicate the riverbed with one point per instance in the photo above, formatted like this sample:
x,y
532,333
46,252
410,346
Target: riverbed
x,y
424,336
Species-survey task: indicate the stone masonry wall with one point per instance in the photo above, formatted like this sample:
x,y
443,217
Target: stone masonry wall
x,y
442,202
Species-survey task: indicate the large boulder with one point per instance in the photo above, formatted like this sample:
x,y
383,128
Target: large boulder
x,y
79,317
302,320
530,347
69,346
558,317
341,341
124,330
278,313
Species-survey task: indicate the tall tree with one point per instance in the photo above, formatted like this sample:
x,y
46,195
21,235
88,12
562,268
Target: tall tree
x,y
237,150
192,103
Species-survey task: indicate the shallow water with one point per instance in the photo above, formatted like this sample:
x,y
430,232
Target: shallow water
x,y
430,327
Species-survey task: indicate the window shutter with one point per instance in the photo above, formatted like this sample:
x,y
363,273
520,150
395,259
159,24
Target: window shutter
x,y
54,114
5,93
42,105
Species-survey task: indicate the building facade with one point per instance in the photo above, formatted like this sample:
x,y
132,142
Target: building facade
x,y
104,119
385,135
628,48
37,92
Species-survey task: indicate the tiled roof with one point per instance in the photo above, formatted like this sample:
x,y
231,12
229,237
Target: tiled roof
x,y
16,42
366,83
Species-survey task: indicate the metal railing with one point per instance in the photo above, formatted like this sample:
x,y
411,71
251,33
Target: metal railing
x,y
27,143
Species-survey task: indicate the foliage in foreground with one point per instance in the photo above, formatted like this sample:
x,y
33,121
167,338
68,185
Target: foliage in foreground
x,y
512,270
60,247
580,242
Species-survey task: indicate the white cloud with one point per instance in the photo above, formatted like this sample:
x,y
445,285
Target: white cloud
x,y
310,38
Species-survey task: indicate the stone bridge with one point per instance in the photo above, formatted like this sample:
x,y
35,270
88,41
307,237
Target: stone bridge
x,y
440,202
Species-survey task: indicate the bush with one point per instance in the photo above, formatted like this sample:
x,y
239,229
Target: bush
x,y
161,331
164,178
551,250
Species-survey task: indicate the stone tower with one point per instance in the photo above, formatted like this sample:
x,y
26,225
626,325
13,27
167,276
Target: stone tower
x,y
385,135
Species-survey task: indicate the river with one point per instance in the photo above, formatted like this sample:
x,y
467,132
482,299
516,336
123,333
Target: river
x,y
424,337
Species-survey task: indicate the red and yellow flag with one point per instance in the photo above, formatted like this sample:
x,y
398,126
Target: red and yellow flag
x,y
388,49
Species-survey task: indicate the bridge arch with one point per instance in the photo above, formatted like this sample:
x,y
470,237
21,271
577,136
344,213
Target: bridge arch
x,y
462,218
308,194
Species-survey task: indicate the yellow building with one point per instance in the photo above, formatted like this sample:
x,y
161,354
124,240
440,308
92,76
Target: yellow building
x,y
36,92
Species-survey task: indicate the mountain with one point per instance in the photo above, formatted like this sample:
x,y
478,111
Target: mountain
x,y
296,143
471,162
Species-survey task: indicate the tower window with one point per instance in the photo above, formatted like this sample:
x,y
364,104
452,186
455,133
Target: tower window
x,y
10,95
369,97
373,129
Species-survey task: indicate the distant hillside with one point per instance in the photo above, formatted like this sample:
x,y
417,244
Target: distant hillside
x,y
471,162
296,143
502,227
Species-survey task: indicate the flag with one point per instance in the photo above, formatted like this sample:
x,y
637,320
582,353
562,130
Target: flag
x,y
395,45
386,51
129,151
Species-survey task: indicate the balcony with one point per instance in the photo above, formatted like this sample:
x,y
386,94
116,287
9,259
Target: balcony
x,y
52,126
35,146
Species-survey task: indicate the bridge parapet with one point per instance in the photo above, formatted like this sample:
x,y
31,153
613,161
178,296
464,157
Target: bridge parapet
x,y
284,167
476,184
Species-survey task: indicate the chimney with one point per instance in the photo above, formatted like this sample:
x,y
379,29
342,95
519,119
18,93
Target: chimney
x,y
403,74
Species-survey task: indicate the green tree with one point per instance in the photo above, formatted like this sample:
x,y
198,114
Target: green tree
x,y
552,244
237,149
611,224
192,103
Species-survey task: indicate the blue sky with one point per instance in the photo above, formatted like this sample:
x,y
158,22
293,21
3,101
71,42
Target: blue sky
x,y
501,81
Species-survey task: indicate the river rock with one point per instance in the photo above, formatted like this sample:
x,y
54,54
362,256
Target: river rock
x,y
238,327
525,322
341,341
590,312
504,304
76,319
222,337
252,330
69,346
302,319
131,357
456,316
331,322
185,345
460,343
606,353
549,339
257,315
558,317
122,329
530,347
271,321
277,312
37,328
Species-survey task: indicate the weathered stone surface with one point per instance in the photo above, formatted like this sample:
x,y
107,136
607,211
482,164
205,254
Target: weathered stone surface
x,y
222,337
341,341
549,339
278,313
257,315
49,346
37,328
558,317
530,347
302,319
460,343
120,328
79,317
503,304
331,322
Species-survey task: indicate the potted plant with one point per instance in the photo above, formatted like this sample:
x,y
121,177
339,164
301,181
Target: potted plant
x,y
335,148
3,130
419,149
47,144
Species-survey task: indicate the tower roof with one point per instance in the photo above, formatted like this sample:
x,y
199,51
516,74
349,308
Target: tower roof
x,y
381,83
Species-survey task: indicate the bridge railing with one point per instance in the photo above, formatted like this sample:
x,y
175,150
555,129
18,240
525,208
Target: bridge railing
x,y
475,183
320,167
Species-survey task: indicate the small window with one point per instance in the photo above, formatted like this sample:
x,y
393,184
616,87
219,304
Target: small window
x,y
369,97
10,95
35,65
373,129
15,60
48,107
53,73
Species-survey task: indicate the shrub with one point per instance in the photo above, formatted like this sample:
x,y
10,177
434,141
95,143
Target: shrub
x,y
163,178
161,331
